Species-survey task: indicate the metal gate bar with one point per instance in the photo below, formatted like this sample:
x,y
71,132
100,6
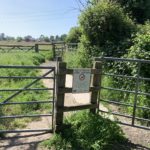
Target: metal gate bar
x,y
26,88
136,91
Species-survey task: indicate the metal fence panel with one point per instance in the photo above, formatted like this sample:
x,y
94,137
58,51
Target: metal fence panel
x,y
135,107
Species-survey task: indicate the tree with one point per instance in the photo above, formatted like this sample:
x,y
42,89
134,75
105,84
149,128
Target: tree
x,y
74,35
57,38
63,37
2,36
106,30
52,38
46,39
19,39
139,9
28,38
41,38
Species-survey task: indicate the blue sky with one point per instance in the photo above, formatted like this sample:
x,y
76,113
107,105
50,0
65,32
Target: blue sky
x,y
36,17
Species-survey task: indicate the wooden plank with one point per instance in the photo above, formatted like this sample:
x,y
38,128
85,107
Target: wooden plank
x,y
70,71
54,53
78,107
36,48
69,90
96,84
16,45
61,79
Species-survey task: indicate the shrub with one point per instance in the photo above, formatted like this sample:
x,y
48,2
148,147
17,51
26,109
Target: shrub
x,y
106,29
86,131
74,35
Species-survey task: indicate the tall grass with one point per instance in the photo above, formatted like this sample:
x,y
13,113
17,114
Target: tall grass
x,y
72,59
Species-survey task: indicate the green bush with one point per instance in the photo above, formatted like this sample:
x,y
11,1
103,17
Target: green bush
x,y
86,131
106,30
141,43
139,9
74,35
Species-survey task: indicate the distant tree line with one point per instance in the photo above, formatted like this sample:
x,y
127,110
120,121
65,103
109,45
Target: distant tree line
x,y
29,38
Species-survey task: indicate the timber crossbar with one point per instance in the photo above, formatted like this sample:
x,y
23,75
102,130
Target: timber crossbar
x,y
16,47
62,89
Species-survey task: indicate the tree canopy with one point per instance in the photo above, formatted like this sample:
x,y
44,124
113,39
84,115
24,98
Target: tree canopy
x,y
139,9
74,35
105,27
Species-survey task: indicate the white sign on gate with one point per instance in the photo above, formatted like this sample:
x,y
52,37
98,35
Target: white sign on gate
x,y
81,80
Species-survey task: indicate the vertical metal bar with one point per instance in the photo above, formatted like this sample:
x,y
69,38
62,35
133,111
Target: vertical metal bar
x,y
136,92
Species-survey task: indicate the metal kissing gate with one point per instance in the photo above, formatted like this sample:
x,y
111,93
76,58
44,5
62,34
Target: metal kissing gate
x,y
13,100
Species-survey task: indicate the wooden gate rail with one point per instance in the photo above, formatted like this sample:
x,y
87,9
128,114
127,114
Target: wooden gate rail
x,y
19,47
61,90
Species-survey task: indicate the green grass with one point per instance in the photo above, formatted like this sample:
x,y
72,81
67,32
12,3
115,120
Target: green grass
x,y
21,58
72,59
86,131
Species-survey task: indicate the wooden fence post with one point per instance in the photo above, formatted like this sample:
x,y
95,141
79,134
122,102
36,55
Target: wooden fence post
x,y
61,79
96,82
54,51
36,48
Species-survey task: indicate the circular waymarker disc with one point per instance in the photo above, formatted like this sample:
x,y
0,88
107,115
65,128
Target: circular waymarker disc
x,y
82,77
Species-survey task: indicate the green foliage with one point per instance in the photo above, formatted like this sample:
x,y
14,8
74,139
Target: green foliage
x,y
19,39
99,23
72,59
74,35
139,9
106,30
141,43
86,52
141,50
86,131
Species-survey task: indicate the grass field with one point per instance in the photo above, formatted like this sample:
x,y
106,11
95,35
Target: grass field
x,y
21,58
